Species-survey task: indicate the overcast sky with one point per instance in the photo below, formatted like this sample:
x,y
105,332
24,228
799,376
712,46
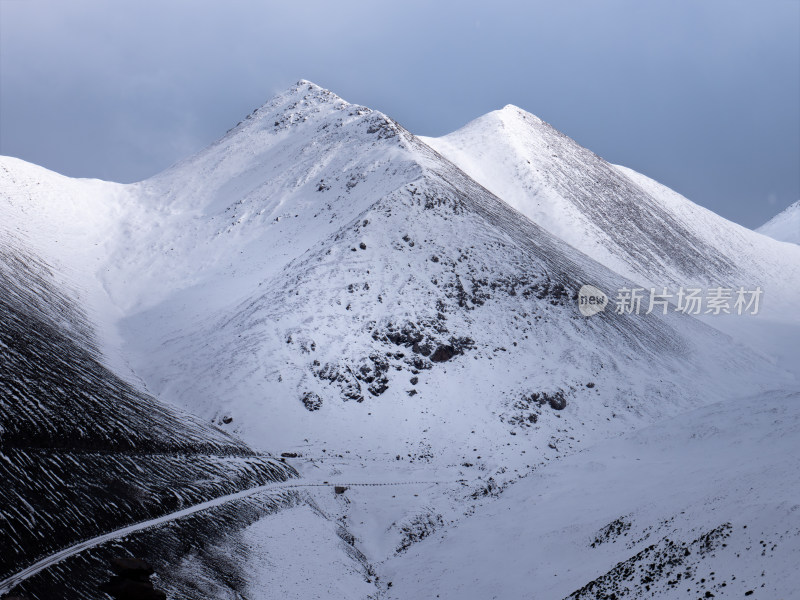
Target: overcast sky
x,y
704,96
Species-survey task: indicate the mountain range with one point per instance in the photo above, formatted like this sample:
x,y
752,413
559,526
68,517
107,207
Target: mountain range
x,y
322,296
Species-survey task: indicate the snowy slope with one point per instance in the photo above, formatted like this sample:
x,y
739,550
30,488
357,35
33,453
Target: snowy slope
x,y
785,226
658,514
72,225
628,222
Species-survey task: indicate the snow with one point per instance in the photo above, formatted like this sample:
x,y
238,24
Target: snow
x,y
296,554
673,480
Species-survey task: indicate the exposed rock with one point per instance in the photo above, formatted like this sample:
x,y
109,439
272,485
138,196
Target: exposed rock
x,y
312,401
443,353
557,401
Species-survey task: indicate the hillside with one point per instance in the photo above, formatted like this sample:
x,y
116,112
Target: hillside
x,y
656,514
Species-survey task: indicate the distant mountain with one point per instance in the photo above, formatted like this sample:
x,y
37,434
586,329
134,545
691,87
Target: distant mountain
x,y
785,226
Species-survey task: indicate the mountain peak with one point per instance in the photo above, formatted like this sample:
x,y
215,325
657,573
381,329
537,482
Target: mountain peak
x,y
306,87
591,205
513,109
515,112
303,94
305,106
511,119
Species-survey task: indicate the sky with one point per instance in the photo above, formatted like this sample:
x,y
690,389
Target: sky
x,y
703,96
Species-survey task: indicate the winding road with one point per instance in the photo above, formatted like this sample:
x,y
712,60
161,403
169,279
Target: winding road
x,y
10,583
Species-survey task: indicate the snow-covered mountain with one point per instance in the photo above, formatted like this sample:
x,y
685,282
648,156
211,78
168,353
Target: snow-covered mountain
x,y
785,226
386,310
625,220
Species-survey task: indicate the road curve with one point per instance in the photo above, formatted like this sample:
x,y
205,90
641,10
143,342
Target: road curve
x,y
11,582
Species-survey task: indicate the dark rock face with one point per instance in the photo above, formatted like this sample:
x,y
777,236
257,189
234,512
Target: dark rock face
x,y
423,349
528,408
612,531
418,529
418,363
428,340
343,377
443,353
373,372
669,563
